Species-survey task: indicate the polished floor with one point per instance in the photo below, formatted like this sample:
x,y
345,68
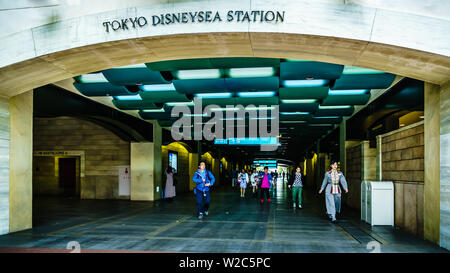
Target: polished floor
x,y
234,224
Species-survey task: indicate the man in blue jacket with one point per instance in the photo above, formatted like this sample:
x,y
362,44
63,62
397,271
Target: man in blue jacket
x,y
204,180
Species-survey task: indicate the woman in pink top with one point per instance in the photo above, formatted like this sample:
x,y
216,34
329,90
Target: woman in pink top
x,y
264,184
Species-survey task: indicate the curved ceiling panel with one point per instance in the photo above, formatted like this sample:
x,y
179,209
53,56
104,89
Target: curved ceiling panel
x,y
335,112
134,104
299,107
101,89
304,69
363,81
133,76
252,84
303,92
200,86
346,100
163,96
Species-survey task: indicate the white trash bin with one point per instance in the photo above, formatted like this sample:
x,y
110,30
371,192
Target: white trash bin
x,y
380,203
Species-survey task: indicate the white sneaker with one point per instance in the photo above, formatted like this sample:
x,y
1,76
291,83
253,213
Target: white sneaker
x,y
294,205
299,206
206,213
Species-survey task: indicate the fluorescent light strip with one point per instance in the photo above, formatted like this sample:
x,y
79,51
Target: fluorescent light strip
x,y
191,103
248,108
130,97
328,117
198,74
214,95
92,78
153,110
305,83
256,94
158,87
320,125
348,92
251,72
293,121
335,107
270,118
298,101
294,113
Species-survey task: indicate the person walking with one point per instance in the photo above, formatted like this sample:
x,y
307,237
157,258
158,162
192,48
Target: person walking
x,y
204,180
233,177
333,190
297,186
265,180
169,188
243,177
254,181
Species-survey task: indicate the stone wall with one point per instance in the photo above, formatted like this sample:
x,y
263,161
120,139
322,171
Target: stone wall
x,y
103,152
361,166
402,159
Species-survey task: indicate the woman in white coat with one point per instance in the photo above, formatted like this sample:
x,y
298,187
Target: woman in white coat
x,y
243,176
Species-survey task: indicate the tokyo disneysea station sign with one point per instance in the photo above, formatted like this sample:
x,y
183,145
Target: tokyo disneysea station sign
x,y
253,16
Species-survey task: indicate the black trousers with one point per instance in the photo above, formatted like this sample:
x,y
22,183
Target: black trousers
x,y
265,191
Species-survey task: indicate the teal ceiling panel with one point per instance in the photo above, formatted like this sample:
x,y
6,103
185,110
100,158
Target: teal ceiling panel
x,y
304,92
164,96
101,89
257,101
134,104
186,64
295,117
165,123
306,70
252,84
299,107
326,120
209,63
335,112
346,100
200,86
222,102
155,115
244,62
363,81
137,75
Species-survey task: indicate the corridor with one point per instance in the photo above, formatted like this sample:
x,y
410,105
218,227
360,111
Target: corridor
x,y
234,225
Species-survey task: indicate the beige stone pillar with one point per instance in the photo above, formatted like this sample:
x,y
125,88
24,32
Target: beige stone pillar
x,y
20,162
432,152
146,168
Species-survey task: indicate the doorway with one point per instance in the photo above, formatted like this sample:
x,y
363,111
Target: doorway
x,y
68,176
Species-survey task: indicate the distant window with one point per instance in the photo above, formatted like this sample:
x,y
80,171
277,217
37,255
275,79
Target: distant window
x,y
173,161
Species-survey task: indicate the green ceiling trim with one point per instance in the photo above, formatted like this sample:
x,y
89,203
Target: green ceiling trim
x,y
303,92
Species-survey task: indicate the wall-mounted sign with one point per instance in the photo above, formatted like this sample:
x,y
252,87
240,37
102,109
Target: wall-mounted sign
x,y
124,181
253,16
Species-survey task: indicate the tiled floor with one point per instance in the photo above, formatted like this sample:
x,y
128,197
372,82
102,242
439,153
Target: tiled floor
x,y
234,225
